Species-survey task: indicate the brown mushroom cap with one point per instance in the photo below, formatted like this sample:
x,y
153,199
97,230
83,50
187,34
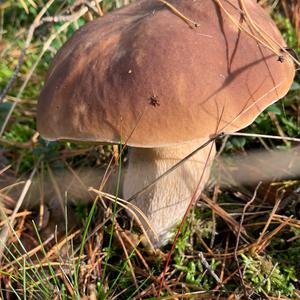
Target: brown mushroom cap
x,y
143,75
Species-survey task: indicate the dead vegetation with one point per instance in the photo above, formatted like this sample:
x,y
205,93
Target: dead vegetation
x,y
62,240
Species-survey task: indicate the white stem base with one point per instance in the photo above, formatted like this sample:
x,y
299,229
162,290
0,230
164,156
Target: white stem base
x,y
165,203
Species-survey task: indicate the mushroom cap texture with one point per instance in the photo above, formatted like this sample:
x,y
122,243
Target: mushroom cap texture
x,y
143,76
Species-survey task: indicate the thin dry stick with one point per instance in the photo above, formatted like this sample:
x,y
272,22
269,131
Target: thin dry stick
x,y
223,263
5,169
238,238
26,255
127,257
59,245
42,198
18,215
268,222
275,121
266,40
120,202
250,107
243,29
179,14
223,214
173,168
100,11
214,225
136,250
264,136
264,243
193,199
254,26
265,35
125,202
210,270
4,233
9,187
25,7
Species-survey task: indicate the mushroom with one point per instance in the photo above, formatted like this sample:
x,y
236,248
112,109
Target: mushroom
x,y
142,76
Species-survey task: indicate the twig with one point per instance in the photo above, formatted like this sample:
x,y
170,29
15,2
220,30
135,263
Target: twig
x,y
193,199
265,280
210,270
238,238
264,38
125,204
268,222
223,214
179,14
264,136
143,190
127,256
4,233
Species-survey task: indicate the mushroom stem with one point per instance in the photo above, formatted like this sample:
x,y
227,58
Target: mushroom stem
x,y
165,203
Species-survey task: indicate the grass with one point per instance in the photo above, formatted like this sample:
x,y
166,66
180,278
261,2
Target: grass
x,y
82,251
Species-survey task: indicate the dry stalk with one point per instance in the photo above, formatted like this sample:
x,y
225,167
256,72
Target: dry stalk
x,y
264,136
260,247
238,239
18,215
59,245
28,254
268,222
265,39
224,215
123,203
190,22
134,246
126,255
245,110
5,231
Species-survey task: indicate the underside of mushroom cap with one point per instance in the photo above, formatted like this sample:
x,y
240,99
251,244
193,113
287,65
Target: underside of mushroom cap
x,y
142,75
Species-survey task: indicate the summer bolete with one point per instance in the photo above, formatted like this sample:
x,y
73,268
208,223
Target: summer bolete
x,y
143,76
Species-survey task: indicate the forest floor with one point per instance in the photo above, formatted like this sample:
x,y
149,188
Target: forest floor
x,y
241,240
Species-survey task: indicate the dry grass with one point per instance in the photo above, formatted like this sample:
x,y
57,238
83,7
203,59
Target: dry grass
x,y
241,240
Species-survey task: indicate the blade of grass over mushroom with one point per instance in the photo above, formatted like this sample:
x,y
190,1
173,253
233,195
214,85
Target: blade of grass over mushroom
x,y
191,203
131,209
114,213
173,168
